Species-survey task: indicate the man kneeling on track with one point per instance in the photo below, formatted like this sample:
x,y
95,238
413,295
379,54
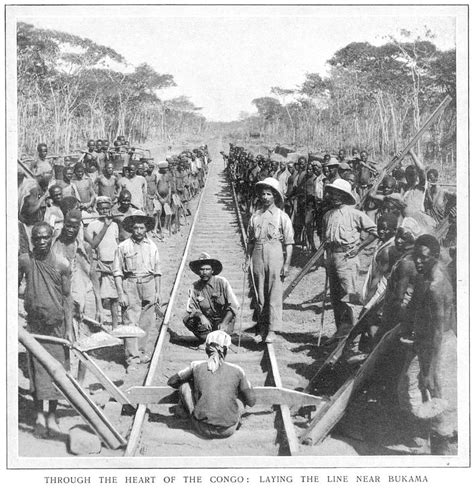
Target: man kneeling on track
x,y
213,392
212,305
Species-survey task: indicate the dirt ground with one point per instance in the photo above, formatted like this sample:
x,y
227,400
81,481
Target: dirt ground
x,y
373,424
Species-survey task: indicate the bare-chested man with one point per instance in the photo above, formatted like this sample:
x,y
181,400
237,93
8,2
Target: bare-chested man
x,y
430,368
106,185
85,188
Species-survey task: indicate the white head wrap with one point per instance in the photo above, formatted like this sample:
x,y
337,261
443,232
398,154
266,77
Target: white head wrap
x,y
217,343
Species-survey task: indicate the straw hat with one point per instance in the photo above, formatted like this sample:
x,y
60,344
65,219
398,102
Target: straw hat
x,y
138,217
273,184
331,162
203,260
344,167
343,186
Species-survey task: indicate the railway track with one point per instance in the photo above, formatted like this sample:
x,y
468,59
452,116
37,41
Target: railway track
x,y
267,430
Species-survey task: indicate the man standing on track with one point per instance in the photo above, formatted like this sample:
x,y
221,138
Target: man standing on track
x,y
212,304
137,274
270,233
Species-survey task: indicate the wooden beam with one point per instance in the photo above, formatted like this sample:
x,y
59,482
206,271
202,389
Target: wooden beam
x,y
289,428
78,399
397,159
332,411
311,262
266,395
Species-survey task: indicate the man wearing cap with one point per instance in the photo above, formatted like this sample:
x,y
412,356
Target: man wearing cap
x,y
270,246
343,169
342,226
212,304
430,368
331,167
137,274
213,392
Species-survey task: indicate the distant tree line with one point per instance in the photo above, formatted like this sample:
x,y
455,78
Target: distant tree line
x,y
71,89
374,97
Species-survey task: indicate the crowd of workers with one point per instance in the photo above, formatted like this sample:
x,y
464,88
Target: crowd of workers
x,y
88,233
406,226
85,241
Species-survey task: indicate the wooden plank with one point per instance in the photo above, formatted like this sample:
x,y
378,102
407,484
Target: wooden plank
x,y
72,391
104,380
292,438
266,395
331,412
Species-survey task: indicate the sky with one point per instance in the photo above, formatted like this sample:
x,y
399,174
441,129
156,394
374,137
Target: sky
x,y
223,57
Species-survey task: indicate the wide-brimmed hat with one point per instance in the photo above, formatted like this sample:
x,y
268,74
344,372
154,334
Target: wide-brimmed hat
x,y
163,164
331,162
138,217
273,184
343,186
344,167
203,260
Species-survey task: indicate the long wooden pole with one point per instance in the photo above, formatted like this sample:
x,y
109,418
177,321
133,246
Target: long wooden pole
x,y
71,391
313,260
397,159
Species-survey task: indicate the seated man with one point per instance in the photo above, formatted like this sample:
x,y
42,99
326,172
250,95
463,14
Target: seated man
x,y
212,304
211,390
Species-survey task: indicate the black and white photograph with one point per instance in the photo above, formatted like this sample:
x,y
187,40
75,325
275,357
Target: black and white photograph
x,y
237,244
